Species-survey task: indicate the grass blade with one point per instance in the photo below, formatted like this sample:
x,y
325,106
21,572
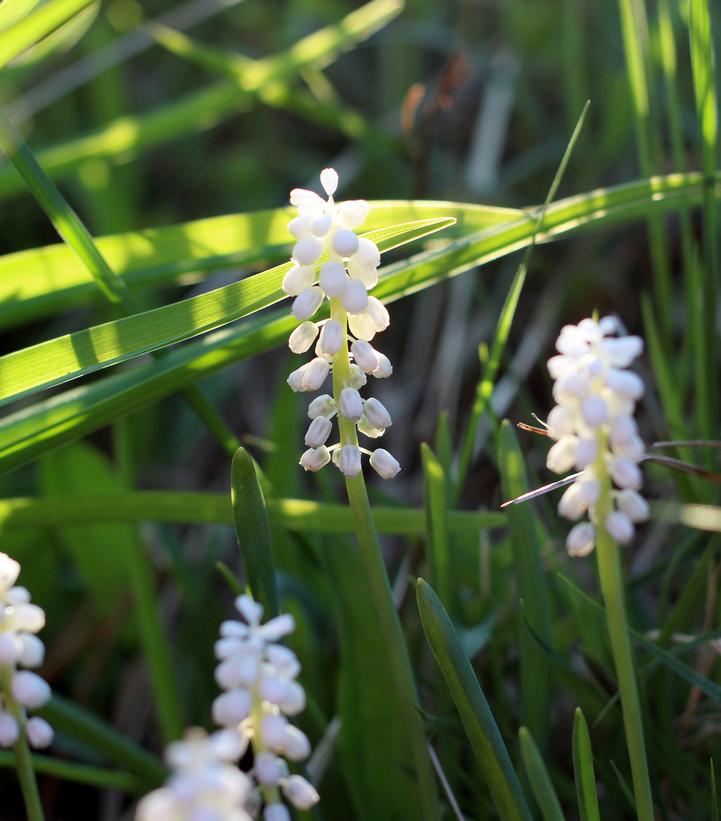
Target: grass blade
x,y
251,527
539,778
476,715
440,556
583,770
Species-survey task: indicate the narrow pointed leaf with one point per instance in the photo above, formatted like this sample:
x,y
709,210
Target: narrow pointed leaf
x,y
583,770
539,778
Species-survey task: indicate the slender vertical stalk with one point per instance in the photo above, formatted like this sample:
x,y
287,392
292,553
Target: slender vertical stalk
x,y
23,759
382,597
609,569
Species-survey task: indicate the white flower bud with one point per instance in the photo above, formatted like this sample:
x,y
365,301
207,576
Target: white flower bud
x,y
367,255
351,404
331,338
314,375
572,504
625,383
269,769
633,505
10,648
315,458
9,571
29,689
303,337
619,527
632,450
9,729
593,409
307,303
307,250
40,734
323,405
573,386
348,460
586,451
384,464
354,296
276,812
376,414
333,278
29,617
33,651
362,326
318,432
277,627
622,429
366,357
231,707
300,226
561,421
356,377
365,427
378,313
321,225
273,731
626,474
368,276
384,369
293,700
353,213
581,540
345,242
624,350
562,456
295,744
559,366
301,793
329,180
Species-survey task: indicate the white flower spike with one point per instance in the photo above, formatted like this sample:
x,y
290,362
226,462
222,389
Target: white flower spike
x,y
20,690
332,262
595,431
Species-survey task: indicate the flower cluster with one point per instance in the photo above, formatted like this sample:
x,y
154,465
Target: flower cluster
x,y
204,781
20,689
258,676
331,261
595,431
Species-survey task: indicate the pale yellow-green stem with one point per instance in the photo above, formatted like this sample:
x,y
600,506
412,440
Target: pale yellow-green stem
x,y
270,792
397,658
23,759
611,577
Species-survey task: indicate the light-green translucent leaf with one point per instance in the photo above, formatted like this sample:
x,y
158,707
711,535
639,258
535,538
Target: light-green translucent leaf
x,y
583,770
539,778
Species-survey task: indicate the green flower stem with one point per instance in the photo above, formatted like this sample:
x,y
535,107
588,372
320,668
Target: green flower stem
x,y
23,759
270,792
609,569
382,597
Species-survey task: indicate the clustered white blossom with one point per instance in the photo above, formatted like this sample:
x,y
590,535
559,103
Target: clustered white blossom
x,y
20,689
331,261
595,431
205,783
258,676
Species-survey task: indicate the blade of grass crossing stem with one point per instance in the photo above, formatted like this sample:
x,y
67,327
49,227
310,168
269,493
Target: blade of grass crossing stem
x,y
634,27
79,773
532,589
583,771
539,778
84,727
250,517
76,236
484,389
147,610
703,65
35,429
34,27
78,354
476,716
439,549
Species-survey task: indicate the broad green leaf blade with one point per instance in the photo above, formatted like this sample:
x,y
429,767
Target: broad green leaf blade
x,y
476,715
180,507
127,136
32,28
583,770
532,589
80,725
83,352
39,281
253,531
539,778
440,556
12,11
80,773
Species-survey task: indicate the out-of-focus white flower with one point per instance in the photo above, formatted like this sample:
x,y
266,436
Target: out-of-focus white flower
x,y
204,782
330,261
595,431
22,689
